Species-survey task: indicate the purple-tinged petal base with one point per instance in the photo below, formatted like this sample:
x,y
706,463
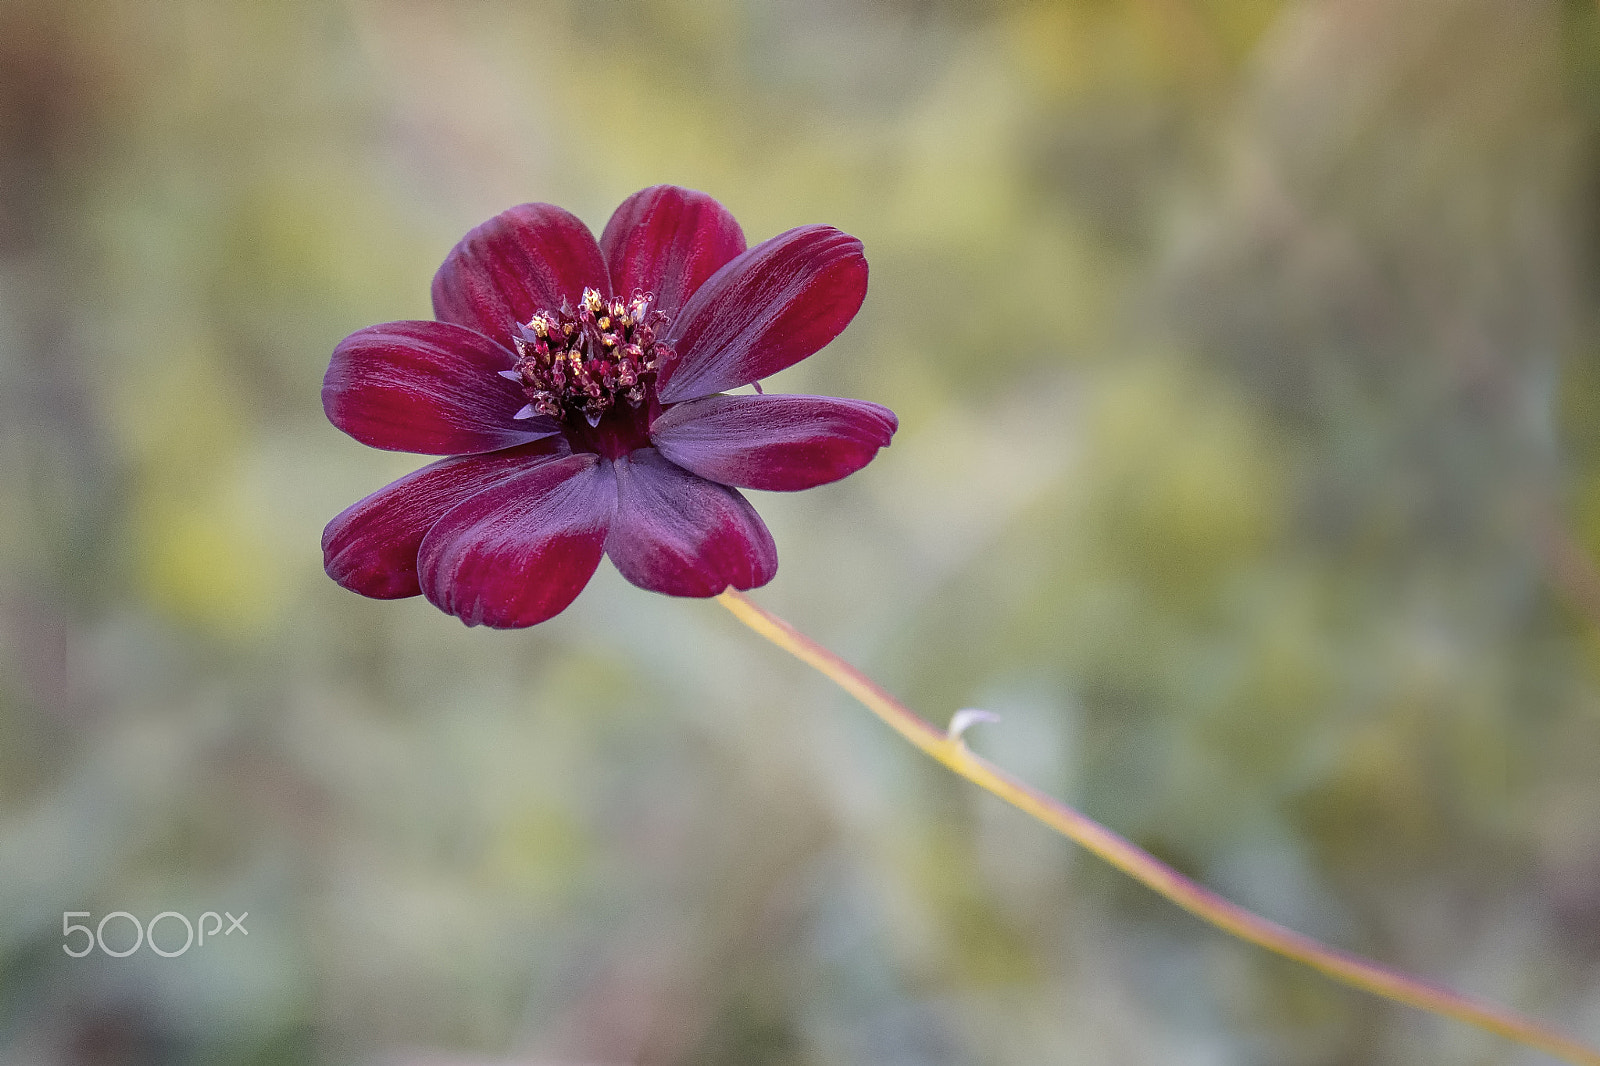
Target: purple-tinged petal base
x,y
371,547
778,443
428,387
667,241
773,306
685,536
524,260
521,551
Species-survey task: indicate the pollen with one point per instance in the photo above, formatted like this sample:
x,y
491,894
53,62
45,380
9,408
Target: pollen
x,y
583,362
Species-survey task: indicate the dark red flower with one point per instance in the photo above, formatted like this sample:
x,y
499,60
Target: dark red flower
x,y
578,387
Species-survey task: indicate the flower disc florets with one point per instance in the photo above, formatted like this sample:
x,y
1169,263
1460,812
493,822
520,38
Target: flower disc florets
x,y
582,362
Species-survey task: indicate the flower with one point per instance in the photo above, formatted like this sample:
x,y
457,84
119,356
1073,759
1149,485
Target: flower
x,y
579,389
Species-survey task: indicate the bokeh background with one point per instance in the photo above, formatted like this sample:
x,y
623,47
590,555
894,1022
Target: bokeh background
x,y
1248,366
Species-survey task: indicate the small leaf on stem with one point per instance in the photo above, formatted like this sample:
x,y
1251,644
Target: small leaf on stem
x,y
966,718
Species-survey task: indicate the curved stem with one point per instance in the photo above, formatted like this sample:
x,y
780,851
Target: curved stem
x,y
1145,868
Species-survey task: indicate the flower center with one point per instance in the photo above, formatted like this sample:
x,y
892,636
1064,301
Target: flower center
x,y
583,362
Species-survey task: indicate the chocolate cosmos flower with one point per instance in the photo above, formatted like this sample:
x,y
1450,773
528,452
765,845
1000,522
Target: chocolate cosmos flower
x,y
578,388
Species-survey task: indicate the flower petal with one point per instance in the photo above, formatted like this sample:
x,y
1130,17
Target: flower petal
x,y
780,443
371,547
427,387
524,260
765,310
521,551
683,535
668,240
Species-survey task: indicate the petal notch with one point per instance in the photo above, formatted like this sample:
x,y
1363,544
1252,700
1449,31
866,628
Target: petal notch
x,y
685,536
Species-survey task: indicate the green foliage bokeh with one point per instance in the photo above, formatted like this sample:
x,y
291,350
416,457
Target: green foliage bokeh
x,y
1248,371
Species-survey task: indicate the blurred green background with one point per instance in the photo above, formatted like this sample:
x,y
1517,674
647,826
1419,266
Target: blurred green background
x,y
1248,366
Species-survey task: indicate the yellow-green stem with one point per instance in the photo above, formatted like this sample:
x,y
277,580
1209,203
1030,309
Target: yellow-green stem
x,y
1145,868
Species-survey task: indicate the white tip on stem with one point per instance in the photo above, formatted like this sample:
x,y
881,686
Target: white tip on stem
x,y
966,718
